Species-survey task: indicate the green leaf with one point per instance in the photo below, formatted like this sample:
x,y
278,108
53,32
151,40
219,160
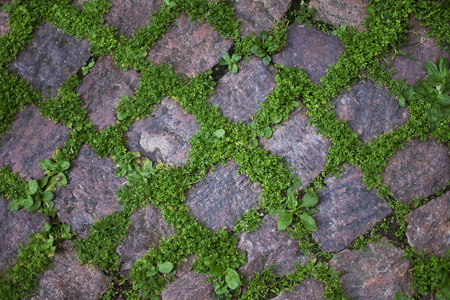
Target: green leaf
x,y
91,64
219,133
292,201
309,222
444,65
401,101
443,99
65,165
227,57
47,164
13,205
401,296
222,62
284,220
277,119
165,267
273,48
233,68
151,272
121,115
252,126
62,179
47,196
232,279
267,132
267,60
51,184
36,205
33,186
310,199
431,68
220,287
210,261
236,58
47,227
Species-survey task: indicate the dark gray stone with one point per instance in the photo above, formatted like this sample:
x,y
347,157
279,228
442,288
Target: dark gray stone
x,y
346,209
310,289
369,110
30,140
222,197
164,136
417,171
4,17
90,193
50,59
375,273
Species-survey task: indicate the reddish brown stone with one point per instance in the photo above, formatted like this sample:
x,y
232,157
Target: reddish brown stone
x,y
310,289
90,193
163,136
299,144
346,209
14,229
239,95
341,12
417,171
309,49
429,226
30,140
369,110
375,273
222,197
50,59
4,29
190,48
102,88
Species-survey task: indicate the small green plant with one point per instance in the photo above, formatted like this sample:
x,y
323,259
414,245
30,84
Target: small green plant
x,y
231,62
163,268
136,168
265,46
55,173
401,296
36,197
262,124
85,69
304,15
226,280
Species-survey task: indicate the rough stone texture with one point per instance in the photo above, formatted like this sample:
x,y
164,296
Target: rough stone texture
x,y
146,229
30,140
309,49
102,88
346,209
422,49
310,289
70,280
299,144
4,17
239,95
418,170
369,110
90,193
222,197
341,12
15,227
429,226
273,246
130,15
190,48
163,136
376,273
259,15
50,59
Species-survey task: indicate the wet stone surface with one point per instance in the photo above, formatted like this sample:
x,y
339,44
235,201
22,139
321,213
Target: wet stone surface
x,y
222,197
309,49
190,48
369,110
376,273
310,289
418,170
346,209
164,136
239,95
429,226
299,144
30,140
90,193
102,88
341,12
50,59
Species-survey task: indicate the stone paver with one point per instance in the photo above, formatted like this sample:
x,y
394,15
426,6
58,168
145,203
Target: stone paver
x,y
190,48
417,171
298,143
239,95
30,140
4,17
341,12
102,88
164,136
50,59
369,110
376,273
310,289
346,209
222,197
90,193
429,226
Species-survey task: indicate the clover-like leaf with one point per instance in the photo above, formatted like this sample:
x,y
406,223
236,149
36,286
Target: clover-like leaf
x,y
267,60
219,133
232,279
233,68
65,165
165,267
121,115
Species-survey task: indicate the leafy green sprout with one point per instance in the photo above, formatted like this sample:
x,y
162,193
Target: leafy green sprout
x,y
226,281
265,46
231,62
132,166
85,69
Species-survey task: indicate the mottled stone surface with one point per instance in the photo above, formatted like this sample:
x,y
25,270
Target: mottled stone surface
x,y
14,228
341,12
369,110
239,95
418,170
163,136
50,59
4,17
222,197
102,88
146,229
309,49
310,289
30,140
259,15
273,246
90,193
429,226
190,48
130,15
299,144
376,273
346,209
70,280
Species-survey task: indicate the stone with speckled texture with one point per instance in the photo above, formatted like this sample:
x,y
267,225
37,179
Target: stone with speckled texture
x,y
4,17
310,289
341,12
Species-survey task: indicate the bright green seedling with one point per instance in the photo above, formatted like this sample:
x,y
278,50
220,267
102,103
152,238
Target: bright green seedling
x,y
265,46
231,62
262,124
132,166
226,281
163,268
55,173
85,69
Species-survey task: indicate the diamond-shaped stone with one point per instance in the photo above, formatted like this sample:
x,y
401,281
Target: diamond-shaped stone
x,y
310,289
